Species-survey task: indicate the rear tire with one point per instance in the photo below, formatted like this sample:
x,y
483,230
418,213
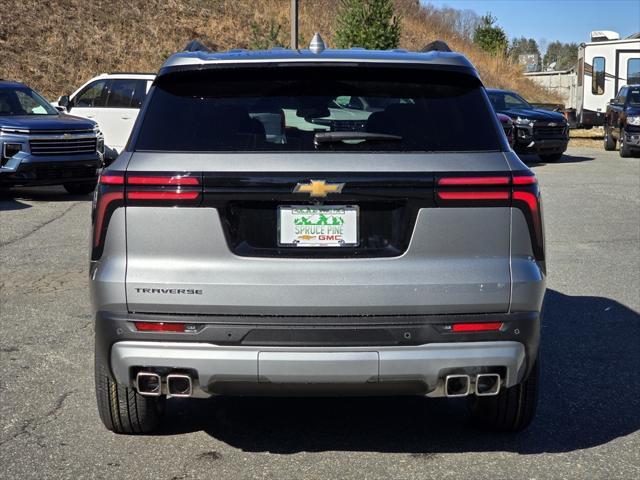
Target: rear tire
x,y
80,188
122,409
625,152
554,157
609,141
512,410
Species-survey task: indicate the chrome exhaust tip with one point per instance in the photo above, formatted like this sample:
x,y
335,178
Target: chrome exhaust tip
x,y
149,384
457,385
487,384
179,385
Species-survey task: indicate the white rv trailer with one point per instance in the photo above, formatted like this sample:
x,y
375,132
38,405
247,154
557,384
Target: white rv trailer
x,y
604,65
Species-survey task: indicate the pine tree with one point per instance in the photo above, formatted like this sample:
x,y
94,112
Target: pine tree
x,y
490,37
370,24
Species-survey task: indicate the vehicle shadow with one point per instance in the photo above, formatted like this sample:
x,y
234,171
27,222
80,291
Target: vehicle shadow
x,y
589,396
10,199
566,158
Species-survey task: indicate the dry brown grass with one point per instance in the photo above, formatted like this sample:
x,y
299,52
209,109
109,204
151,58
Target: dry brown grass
x,y
55,46
587,138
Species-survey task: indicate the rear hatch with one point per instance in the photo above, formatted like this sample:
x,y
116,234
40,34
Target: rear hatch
x,y
317,190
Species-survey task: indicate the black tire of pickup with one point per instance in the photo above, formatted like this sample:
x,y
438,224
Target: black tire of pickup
x,y
122,409
80,188
512,410
625,151
609,141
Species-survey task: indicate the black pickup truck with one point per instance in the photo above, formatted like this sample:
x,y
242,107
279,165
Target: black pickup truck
x,y
538,131
622,121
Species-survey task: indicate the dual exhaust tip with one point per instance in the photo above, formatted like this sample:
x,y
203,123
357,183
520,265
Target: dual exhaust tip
x,y
459,385
177,384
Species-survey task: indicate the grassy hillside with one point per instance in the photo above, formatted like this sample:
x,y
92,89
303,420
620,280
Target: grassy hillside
x,y
55,46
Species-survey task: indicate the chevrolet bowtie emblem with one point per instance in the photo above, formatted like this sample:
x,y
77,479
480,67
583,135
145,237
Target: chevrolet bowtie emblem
x,y
318,188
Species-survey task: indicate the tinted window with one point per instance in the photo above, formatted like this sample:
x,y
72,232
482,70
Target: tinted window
x,y
287,107
633,70
23,101
125,93
93,95
597,79
506,101
622,96
633,96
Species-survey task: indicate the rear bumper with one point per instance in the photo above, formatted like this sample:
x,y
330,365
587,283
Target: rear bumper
x,y
385,355
413,369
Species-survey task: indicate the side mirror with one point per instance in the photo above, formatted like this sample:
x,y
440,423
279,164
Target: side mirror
x,y
63,102
612,101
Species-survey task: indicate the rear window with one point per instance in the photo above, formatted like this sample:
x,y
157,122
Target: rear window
x,y
296,108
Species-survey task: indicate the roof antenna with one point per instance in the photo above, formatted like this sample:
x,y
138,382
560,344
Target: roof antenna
x,y
317,44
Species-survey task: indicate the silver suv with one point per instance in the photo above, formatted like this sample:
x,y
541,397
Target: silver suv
x,y
328,222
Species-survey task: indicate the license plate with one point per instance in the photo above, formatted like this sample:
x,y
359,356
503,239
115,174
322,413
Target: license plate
x,y
318,226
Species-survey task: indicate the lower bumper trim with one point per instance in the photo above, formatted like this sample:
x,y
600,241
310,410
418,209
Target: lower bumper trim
x,y
346,369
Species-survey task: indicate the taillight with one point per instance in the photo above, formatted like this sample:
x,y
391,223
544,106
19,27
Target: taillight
x,y
519,190
116,189
166,189
109,196
526,197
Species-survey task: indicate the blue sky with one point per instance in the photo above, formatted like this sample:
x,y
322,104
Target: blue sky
x,y
564,20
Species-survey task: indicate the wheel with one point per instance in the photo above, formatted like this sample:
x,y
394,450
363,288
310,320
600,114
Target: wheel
x,y
512,410
122,409
80,188
625,151
609,141
553,157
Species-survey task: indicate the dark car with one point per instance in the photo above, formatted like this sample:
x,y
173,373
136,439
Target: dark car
x,y
622,121
507,126
41,146
538,131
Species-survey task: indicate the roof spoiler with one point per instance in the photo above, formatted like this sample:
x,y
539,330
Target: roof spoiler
x,y
436,46
196,46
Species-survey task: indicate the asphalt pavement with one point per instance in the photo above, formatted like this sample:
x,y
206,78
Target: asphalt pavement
x,y
588,420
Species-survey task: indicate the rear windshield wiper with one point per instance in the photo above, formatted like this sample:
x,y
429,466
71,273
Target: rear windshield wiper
x,y
335,137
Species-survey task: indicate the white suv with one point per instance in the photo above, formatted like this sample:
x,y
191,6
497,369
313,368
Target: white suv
x,y
113,100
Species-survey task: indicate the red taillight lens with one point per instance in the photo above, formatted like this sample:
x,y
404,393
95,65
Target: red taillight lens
x,y
164,180
472,181
111,180
476,327
524,180
159,327
168,195
474,195
170,190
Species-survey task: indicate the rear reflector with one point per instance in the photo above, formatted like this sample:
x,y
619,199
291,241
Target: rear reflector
x,y
175,180
159,327
476,327
461,181
162,195
473,195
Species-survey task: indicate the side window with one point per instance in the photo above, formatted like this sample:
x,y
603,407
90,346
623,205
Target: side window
x,y
622,96
633,71
93,95
126,93
512,102
597,79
